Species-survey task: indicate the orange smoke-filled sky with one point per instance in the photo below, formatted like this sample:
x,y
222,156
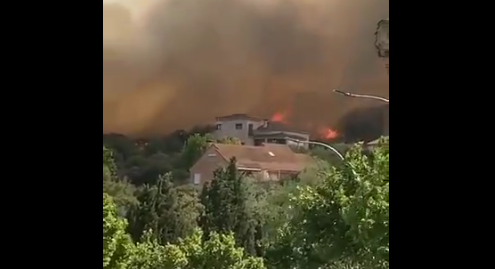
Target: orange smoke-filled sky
x,y
170,64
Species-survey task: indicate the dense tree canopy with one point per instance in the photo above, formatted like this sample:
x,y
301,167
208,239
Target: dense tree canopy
x,y
141,162
117,247
344,217
121,190
167,211
333,215
228,207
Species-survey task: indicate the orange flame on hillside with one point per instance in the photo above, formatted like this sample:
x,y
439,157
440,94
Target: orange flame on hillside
x,y
323,132
328,133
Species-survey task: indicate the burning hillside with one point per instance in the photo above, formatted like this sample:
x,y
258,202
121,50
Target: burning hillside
x,y
360,124
322,132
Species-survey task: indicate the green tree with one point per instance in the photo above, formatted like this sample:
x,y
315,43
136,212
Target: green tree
x,y
195,146
342,219
109,167
149,171
218,252
169,212
122,146
117,246
194,252
121,190
149,254
228,207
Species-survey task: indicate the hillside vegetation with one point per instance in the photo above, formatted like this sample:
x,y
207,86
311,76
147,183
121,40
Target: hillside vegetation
x,y
332,216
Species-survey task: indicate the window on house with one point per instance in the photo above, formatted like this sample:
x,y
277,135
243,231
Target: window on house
x,y
197,179
238,126
219,126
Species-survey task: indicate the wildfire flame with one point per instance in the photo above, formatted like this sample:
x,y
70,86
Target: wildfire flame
x,y
328,133
323,132
279,117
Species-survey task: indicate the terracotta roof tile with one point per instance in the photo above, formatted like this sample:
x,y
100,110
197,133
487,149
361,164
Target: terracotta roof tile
x,y
268,157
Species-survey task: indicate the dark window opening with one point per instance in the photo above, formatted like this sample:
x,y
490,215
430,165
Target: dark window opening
x,y
238,126
250,129
277,141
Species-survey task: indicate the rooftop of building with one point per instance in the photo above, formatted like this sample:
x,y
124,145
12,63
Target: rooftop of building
x,y
274,157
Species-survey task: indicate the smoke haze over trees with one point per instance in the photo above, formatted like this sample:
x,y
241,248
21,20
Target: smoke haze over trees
x,y
170,64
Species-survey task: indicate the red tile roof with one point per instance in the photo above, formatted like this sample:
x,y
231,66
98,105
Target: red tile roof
x,y
272,157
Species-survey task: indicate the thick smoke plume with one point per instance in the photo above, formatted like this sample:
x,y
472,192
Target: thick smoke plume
x,y
170,64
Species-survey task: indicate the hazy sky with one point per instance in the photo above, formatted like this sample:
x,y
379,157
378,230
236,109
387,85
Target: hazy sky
x,y
205,58
136,7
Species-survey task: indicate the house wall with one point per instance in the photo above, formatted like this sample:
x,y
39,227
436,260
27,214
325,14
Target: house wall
x,y
274,175
227,128
270,138
206,165
211,161
282,134
267,176
281,175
